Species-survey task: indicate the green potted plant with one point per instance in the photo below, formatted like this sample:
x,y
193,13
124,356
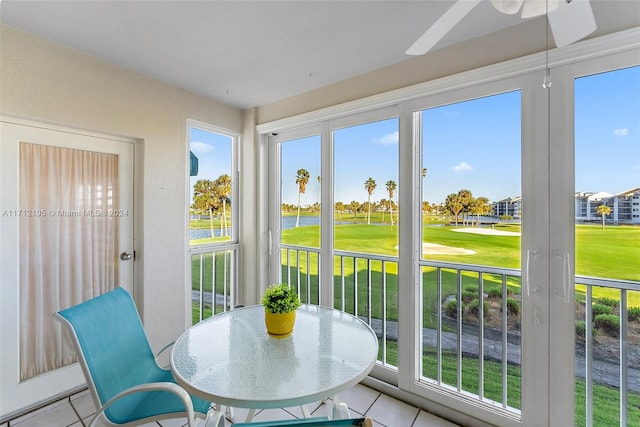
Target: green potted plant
x,y
280,303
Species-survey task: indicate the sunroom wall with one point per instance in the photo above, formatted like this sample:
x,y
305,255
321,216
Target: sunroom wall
x,y
45,82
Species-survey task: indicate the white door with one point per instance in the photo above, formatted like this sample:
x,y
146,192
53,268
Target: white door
x,y
66,229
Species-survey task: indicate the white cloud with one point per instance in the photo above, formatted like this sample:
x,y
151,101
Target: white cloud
x,y
621,132
390,138
200,147
462,167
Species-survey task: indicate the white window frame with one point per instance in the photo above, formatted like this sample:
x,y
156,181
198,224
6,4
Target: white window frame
x,y
232,244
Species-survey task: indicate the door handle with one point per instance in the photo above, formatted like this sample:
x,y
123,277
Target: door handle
x,y
564,290
126,256
528,286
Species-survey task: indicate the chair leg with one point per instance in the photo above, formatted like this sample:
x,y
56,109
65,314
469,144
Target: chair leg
x,y
229,413
214,419
250,415
305,411
340,411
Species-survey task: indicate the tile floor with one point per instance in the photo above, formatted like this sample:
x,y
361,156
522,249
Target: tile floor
x,y
384,410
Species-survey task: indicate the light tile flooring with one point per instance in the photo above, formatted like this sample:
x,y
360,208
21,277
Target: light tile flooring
x,y
384,410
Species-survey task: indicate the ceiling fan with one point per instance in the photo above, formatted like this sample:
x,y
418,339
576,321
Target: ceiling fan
x,y
569,20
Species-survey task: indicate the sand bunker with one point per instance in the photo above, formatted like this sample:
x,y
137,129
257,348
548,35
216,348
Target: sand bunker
x,y
436,249
489,231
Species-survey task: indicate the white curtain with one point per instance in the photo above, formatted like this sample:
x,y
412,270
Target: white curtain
x,y
68,244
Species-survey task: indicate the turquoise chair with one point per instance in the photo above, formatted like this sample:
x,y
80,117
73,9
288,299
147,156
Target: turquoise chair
x,y
122,372
310,422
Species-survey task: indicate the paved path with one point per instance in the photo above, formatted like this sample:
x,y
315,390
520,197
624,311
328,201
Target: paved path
x,y
604,372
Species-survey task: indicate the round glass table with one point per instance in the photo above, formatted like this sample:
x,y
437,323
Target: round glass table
x,y
230,360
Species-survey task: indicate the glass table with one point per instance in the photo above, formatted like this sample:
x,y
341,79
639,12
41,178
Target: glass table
x,y
230,360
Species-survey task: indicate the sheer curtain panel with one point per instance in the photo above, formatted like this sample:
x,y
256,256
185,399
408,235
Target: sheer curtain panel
x,y
68,244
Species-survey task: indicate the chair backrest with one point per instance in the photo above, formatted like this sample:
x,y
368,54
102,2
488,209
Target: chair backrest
x,y
112,346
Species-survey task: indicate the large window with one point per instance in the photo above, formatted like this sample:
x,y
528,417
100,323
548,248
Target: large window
x,y
210,171
343,222
300,214
471,209
607,200
365,227
212,213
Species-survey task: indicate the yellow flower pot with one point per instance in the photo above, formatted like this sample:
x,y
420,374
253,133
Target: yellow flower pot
x,y
279,325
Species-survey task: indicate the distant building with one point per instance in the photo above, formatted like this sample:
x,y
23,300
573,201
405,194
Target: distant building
x,y
587,203
508,206
625,206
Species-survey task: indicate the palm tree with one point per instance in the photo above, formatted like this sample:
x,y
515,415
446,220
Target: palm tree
x,y
603,210
480,206
339,208
391,187
302,178
355,207
453,205
384,202
369,185
426,207
223,191
465,197
205,198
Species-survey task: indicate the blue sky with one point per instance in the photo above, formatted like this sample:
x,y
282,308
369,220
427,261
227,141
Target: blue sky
x,y
473,145
608,131
214,154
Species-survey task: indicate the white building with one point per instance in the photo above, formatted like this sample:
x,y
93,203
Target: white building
x,y
508,206
625,206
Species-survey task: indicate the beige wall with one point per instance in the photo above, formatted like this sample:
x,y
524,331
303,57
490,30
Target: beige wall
x,y
45,82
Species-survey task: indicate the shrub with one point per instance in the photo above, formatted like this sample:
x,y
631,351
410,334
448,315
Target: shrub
x,y
468,296
451,308
495,293
513,306
581,328
609,323
613,303
474,305
471,288
633,313
598,309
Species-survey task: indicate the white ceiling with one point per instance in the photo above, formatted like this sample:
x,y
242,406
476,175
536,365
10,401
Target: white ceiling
x,y
252,53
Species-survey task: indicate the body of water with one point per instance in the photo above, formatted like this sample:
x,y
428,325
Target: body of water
x,y
203,233
287,222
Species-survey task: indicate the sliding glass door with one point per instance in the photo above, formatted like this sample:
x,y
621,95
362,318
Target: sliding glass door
x,y
471,211
607,224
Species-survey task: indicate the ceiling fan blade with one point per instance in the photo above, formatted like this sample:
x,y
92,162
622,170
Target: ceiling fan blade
x,y
572,22
442,26
533,8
